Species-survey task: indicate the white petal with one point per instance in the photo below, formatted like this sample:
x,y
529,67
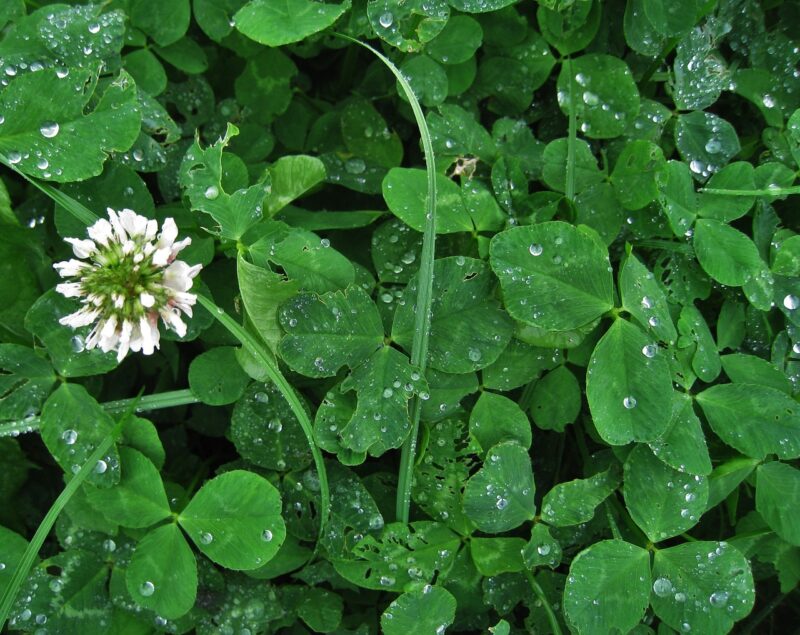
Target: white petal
x,y
151,230
70,289
119,230
133,223
183,301
93,337
136,338
69,268
178,246
150,335
106,334
82,248
161,256
178,276
101,232
146,299
169,232
83,317
172,318
124,340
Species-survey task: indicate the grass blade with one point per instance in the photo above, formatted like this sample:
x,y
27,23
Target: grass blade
x,y
260,353
419,347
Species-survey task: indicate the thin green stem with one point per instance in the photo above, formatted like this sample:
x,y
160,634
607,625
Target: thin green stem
x,y
254,347
572,137
770,191
422,316
754,623
157,401
77,209
539,593
26,562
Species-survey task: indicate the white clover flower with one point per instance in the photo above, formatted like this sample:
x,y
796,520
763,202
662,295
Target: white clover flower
x,y
128,277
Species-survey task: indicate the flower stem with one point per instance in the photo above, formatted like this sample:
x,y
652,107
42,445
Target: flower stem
x,y
539,592
269,364
26,562
157,401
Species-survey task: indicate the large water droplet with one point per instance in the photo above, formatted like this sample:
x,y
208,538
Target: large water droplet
x,y
386,19
662,587
649,350
791,302
266,535
629,402
535,249
77,344
719,599
147,589
69,437
212,192
543,549
100,467
14,157
49,129
206,538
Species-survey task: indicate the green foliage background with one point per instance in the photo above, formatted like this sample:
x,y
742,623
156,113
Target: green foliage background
x,y
608,417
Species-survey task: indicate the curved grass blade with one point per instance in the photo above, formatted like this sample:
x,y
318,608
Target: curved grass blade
x,y
422,321
257,350
42,531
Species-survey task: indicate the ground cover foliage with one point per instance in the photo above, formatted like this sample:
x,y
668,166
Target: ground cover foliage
x,y
574,412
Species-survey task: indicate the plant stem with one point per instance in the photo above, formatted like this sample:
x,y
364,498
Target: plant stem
x,y
26,562
157,401
269,364
422,316
772,191
539,593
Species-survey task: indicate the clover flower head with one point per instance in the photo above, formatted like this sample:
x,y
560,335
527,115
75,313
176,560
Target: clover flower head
x,y
127,277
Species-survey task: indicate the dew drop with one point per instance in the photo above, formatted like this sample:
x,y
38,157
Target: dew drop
x,y
647,302
535,249
14,157
77,344
662,587
147,589
649,350
719,599
543,549
212,192
386,19
501,503
474,355
266,535
100,467
791,302
629,402
206,538
49,129
69,437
